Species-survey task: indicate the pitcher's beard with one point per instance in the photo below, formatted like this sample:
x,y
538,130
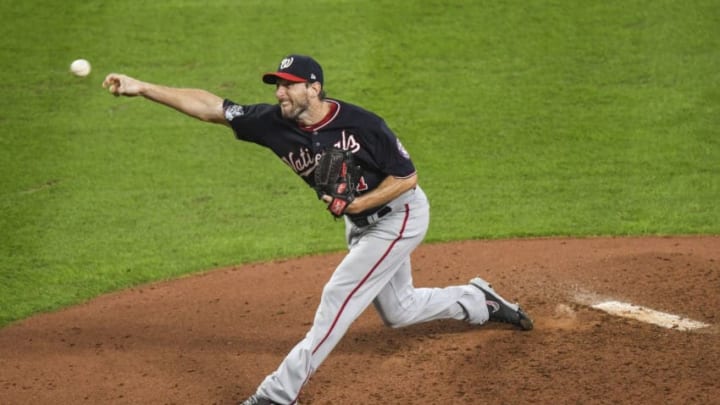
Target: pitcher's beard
x,y
294,114
299,107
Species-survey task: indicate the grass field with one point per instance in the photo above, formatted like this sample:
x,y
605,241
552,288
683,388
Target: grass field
x,y
523,118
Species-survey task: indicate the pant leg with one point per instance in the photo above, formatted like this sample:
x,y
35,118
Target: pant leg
x,y
376,254
400,304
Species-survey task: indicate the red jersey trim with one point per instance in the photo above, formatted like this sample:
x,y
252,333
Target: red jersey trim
x,y
334,111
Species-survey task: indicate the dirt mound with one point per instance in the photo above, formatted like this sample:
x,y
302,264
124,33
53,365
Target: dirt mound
x,y
211,338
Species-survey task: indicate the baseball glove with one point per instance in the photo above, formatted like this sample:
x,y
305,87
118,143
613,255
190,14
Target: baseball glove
x,y
336,176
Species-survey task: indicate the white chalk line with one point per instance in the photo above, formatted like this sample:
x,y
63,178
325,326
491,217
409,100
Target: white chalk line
x,y
642,314
648,315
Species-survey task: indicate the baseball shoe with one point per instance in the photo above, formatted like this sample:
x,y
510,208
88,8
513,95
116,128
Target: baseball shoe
x,y
256,400
500,309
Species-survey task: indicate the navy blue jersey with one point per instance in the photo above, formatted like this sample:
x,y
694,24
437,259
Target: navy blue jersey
x,y
375,147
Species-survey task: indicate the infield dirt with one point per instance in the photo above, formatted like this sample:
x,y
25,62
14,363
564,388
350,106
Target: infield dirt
x,y
211,338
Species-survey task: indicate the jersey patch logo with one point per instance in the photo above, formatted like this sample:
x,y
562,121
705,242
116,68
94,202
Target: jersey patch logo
x,y
234,111
402,150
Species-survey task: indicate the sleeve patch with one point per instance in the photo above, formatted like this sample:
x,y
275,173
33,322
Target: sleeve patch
x,y
402,150
233,110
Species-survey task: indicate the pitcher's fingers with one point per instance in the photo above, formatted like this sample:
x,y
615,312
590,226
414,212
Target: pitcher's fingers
x,y
111,80
107,80
113,85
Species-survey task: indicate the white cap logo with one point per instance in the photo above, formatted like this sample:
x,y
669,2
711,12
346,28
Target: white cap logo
x,y
286,63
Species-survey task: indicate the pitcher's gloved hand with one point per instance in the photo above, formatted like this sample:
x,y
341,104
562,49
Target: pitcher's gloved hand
x,y
336,177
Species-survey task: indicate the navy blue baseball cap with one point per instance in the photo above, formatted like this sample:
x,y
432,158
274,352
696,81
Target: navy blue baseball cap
x,y
296,69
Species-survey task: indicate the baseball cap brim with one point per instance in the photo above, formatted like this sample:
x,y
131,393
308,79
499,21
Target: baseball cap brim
x,y
272,78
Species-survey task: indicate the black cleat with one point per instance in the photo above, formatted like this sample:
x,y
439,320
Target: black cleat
x,y
500,309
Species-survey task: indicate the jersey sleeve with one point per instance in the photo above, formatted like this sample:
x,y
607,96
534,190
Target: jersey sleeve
x,y
246,120
389,153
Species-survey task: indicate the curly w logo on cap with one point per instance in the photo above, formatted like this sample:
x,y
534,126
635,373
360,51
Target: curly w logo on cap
x,y
296,69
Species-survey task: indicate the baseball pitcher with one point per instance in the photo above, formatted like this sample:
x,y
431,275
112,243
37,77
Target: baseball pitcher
x,y
357,166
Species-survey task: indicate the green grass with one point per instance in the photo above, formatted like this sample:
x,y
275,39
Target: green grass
x,y
523,118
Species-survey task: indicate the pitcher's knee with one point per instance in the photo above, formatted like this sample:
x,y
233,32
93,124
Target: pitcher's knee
x,y
393,318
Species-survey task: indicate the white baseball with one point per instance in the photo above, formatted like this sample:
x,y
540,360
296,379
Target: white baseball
x,y
80,67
